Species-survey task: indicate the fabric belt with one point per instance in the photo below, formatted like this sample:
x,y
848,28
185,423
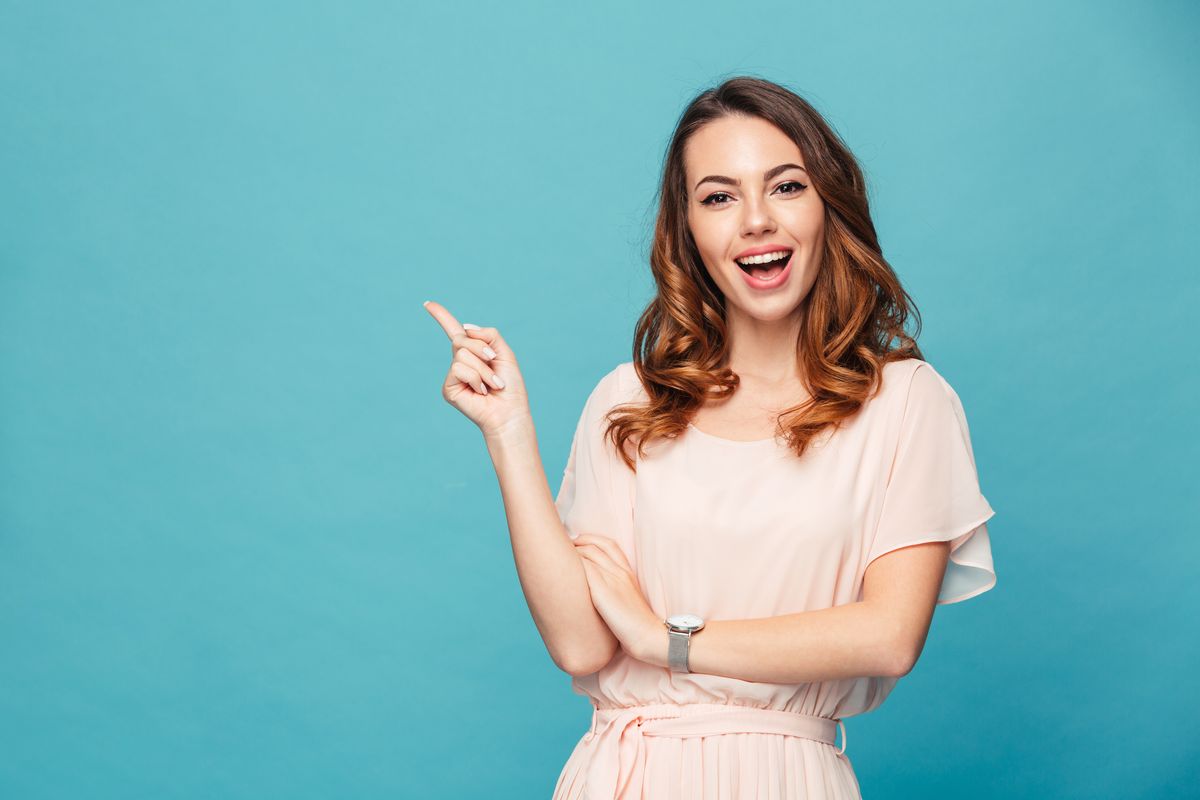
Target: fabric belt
x,y
618,760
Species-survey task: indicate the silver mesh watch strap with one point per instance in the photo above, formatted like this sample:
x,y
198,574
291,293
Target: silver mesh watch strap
x,y
677,651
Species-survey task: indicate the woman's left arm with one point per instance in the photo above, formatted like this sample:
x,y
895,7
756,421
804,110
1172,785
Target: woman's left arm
x,y
881,635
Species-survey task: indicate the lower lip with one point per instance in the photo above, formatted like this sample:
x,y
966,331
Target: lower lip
x,y
773,283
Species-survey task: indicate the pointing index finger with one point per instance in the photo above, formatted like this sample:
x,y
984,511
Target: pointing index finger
x,y
450,325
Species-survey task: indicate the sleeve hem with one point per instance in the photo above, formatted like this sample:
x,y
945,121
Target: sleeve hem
x,y
968,574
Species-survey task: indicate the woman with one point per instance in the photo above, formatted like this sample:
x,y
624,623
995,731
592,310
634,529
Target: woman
x,y
804,484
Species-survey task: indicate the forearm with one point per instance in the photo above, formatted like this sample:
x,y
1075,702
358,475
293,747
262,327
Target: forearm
x,y
847,641
548,566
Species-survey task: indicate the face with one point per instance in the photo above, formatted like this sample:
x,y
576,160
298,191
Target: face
x,y
748,191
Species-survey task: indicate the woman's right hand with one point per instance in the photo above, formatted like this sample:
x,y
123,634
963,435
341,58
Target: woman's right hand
x,y
485,386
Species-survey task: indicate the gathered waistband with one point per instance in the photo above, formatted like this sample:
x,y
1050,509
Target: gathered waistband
x,y
618,761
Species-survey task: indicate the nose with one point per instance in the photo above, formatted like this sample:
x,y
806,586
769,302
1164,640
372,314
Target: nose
x,y
756,217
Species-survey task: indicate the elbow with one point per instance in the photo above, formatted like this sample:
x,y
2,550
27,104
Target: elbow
x,y
902,667
576,668
582,663
902,658
891,654
895,646
573,666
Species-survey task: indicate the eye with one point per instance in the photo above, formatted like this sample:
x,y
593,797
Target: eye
x,y
709,201
713,199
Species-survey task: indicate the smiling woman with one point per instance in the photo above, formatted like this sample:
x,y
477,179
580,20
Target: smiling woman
x,y
761,511
771,499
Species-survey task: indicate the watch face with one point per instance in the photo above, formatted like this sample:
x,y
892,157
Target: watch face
x,y
686,622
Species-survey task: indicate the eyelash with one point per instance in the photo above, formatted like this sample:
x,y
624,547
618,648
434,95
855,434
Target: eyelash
x,y
708,201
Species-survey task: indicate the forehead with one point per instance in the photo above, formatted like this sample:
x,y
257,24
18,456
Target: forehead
x,y
738,146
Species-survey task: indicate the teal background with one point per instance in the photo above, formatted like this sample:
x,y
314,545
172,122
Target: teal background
x,y
247,550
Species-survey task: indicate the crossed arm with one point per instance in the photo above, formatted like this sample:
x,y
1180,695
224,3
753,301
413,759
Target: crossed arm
x,y
881,635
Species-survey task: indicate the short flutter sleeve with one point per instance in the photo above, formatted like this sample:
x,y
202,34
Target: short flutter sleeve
x,y
597,491
932,492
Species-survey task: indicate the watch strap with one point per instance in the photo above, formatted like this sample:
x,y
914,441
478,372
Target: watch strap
x,y
677,650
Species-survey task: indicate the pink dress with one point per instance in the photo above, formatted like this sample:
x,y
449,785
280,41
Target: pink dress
x,y
737,530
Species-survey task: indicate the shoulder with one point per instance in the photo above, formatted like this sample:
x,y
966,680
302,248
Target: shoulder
x,y
911,387
895,380
625,384
923,398
911,377
620,384
611,383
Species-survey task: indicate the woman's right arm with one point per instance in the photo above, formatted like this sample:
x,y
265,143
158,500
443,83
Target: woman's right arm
x,y
548,566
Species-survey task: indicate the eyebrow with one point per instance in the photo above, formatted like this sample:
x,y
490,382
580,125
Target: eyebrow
x,y
771,173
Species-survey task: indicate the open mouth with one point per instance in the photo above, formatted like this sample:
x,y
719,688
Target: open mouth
x,y
765,270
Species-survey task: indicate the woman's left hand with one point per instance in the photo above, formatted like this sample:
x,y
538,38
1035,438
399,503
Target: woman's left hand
x,y
617,599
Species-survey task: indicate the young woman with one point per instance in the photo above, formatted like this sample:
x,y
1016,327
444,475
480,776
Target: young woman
x,y
760,511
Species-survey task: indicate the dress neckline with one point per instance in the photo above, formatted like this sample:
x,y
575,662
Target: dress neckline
x,y
770,440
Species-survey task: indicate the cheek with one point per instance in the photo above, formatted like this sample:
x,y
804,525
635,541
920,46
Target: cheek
x,y
713,244
812,224
712,232
710,258
712,266
704,242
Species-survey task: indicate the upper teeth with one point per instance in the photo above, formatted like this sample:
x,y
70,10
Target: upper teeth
x,y
765,257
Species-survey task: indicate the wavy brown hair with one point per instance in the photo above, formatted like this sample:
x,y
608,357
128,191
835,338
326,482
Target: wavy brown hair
x,y
853,317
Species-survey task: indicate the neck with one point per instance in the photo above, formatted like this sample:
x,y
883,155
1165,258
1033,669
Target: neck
x,y
764,351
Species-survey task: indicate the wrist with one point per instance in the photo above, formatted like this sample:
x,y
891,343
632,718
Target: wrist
x,y
516,434
681,632
654,646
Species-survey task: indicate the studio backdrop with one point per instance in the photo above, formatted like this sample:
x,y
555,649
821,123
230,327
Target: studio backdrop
x,y
246,548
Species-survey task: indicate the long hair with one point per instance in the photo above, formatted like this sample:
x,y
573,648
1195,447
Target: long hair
x,y
853,316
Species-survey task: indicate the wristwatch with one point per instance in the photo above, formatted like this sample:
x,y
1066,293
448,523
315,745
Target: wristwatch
x,y
680,628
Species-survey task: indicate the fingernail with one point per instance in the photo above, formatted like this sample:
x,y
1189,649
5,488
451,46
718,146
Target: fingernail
x,y
471,327
498,382
489,352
